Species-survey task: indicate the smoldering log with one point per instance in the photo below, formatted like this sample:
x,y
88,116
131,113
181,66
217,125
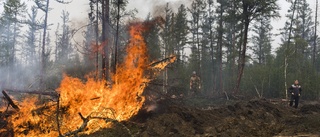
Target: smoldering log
x,y
10,100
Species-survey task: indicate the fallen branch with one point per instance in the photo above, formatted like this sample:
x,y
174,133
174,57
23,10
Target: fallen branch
x,y
57,116
85,124
226,94
10,100
168,59
52,94
81,128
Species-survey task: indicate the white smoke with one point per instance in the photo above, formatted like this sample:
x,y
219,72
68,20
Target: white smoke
x,y
19,77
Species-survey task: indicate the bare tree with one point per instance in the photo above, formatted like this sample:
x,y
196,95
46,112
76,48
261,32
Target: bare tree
x,y
44,6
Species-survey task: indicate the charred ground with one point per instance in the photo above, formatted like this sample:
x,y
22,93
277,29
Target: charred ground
x,y
200,116
255,117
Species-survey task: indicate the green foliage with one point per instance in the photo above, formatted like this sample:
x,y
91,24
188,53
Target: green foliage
x,y
262,39
174,38
261,81
152,39
180,32
299,67
199,41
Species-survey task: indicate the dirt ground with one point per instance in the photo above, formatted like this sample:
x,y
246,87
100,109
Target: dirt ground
x,y
190,117
175,117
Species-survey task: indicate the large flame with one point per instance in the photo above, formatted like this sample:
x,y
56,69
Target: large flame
x,y
92,99
95,99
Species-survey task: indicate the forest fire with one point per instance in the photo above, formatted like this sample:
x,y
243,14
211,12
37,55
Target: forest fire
x,y
85,107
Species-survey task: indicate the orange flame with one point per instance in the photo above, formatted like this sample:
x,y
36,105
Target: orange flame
x,y
95,99
92,98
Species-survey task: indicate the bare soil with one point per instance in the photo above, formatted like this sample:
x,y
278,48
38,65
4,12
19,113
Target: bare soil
x,y
214,117
199,116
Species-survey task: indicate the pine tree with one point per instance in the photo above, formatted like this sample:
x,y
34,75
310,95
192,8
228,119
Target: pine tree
x,y
11,24
64,40
152,39
304,26
315,37
10,21
167,38
44,5
220,42
196,10
297,35
232,41
33,27
257,82
180,35
252,9
118,13
180,30
89,43
212,51
262,40
167,35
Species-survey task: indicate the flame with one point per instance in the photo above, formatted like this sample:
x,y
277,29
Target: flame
x,y
162,64
98,100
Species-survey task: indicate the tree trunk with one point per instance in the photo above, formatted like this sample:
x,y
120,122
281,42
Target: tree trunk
x,y
315,36
14,43
286,51
116,56
285,76
43,53
233,48
220,37
240,46
105,41
260,43
244,48
97,40
198,43
212,53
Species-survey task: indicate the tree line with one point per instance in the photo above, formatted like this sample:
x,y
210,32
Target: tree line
x,y
228,44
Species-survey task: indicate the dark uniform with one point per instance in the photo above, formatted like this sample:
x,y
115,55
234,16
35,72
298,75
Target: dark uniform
x,y
295,91
195,84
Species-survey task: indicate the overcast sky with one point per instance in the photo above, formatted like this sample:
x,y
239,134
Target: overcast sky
x,y
78,10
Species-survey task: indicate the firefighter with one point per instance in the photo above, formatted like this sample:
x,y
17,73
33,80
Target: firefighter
x,y
195,84
295,92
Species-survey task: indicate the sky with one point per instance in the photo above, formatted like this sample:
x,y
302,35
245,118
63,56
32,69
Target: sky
x,y
78,10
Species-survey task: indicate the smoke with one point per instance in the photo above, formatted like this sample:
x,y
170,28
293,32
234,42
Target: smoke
x,y
151,107
20,77
27,76
158,7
